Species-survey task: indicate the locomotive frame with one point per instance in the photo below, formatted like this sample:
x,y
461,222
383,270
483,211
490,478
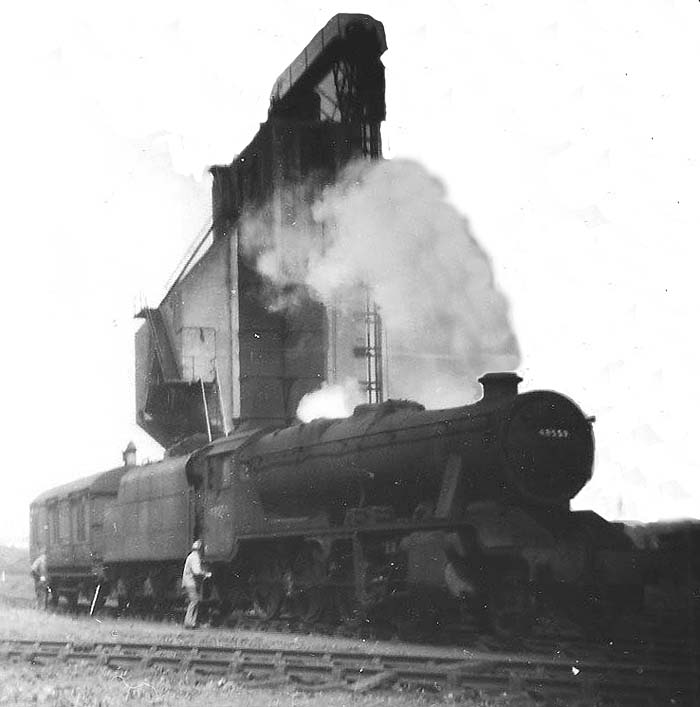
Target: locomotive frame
x,y
395,511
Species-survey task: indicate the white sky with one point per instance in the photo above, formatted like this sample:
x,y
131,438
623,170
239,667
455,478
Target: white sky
x,y
566,132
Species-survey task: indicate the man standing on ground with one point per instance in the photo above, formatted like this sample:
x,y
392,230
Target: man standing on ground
x,y
192,577
41,586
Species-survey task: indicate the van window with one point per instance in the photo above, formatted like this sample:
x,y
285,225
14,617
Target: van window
x,y
78,514
54,535
43,515
64,533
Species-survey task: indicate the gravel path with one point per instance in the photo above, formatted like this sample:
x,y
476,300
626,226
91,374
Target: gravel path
x,y
28,623
73,685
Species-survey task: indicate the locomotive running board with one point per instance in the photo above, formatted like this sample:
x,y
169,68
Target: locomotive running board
x,y
378,529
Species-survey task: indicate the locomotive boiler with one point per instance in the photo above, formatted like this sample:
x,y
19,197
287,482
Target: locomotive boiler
x,y
393,509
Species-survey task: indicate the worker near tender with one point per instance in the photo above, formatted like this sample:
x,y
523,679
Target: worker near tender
x,y
193,576
40,575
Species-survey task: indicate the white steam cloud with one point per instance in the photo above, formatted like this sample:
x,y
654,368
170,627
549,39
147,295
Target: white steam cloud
x,y
387,227
331,400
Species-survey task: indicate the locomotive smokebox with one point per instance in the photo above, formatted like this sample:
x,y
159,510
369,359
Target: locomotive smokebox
x,y
499,386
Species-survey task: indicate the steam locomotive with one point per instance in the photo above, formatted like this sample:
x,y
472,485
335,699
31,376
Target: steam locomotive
x,y
394,509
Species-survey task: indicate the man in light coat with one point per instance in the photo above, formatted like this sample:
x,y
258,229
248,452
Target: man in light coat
x,y
193,575
39,572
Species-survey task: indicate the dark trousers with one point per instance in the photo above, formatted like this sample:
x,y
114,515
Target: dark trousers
x,y
41,589
193,598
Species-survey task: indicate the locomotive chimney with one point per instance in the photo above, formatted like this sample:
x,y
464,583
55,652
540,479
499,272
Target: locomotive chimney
x,y
498,386
129,455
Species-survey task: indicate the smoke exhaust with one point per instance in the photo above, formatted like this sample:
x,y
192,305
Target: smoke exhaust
x,y
387,228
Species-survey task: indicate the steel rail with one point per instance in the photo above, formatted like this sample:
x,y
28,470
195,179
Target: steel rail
x,y
644,649
621,647
534,673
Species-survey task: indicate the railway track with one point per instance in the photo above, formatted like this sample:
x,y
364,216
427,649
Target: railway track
x,y
646,669
669,648
542,676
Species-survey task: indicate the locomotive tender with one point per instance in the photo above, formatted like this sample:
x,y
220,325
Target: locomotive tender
x,y
462,508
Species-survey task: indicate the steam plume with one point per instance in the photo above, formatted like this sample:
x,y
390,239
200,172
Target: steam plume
x,y
331,400
386,226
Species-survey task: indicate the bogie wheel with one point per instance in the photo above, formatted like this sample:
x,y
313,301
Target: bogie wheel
x,y
102,595
510,606
72,599
267,600
310,576
345,605
311,604
594,612
268,590
124,595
